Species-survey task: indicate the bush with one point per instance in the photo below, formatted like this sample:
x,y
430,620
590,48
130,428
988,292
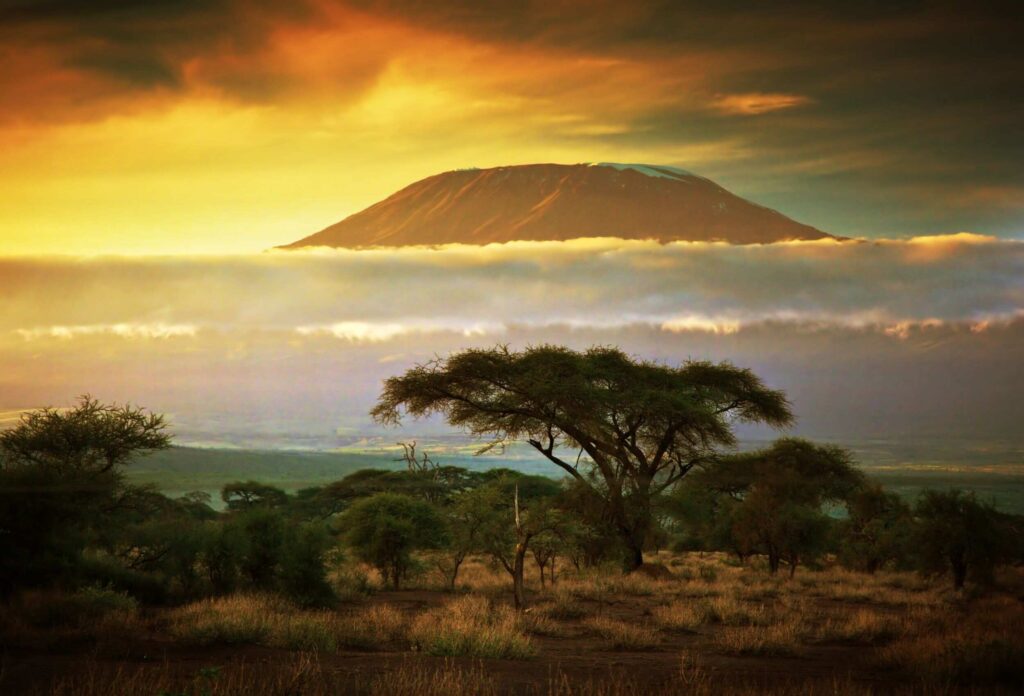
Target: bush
x,y
386,528
106,571
264,534
956,533
222,550
90,605
303,573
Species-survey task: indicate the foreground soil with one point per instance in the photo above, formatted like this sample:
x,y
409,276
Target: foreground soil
x,y
717,654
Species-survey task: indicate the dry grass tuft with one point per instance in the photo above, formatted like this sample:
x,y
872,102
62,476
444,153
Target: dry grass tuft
x,y
620,635
863,626
267,620
974,645
778,639
473,627
692,614
561,604
423,680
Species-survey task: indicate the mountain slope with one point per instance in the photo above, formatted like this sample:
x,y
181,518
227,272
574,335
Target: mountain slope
x,y
541,202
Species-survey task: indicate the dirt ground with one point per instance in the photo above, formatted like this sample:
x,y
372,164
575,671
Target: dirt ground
x,y
569,656
577,656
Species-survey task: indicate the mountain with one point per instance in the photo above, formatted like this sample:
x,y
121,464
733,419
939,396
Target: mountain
x,y
558,202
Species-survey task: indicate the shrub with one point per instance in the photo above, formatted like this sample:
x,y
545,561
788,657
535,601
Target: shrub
x,y
109,572
303,573
222,549
957,533
386,528
88,606
264,532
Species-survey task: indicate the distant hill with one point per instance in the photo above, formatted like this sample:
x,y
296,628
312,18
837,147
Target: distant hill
x,y
552,202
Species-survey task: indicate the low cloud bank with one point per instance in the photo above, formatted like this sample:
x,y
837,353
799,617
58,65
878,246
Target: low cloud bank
x,y
376,295
888,338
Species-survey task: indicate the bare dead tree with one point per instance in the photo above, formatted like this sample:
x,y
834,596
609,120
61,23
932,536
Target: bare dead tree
x,y
415,463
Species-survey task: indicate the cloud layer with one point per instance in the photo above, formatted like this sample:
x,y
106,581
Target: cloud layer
x,y
375,295
922,336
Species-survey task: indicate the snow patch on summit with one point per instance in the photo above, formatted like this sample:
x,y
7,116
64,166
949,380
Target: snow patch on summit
x,y
657,171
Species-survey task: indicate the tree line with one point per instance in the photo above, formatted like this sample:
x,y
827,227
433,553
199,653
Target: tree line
x,y
647,457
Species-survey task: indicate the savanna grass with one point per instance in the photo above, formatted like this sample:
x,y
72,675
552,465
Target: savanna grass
x,y
472,626
270,621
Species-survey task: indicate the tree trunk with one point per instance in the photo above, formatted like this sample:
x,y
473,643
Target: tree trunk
x,y
551,573
634,556
773,562
517,576
959,573
633,527
456,564
522,542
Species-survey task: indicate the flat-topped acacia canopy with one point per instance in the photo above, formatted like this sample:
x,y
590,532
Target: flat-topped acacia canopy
x,y
641,425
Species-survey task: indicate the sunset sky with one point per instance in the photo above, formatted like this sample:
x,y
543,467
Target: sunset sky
x,y
178,126
151,152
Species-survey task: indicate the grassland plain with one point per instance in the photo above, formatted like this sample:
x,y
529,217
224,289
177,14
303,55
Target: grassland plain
x,y
714,627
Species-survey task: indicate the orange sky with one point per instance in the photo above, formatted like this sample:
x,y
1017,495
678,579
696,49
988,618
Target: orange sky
x,y
191,127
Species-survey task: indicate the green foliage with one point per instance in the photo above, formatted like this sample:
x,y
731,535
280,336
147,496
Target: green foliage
x,y
877,529
81,608
263,530
768,501
303,570
167,546
641,425
957,533
245,495
222,549
386,528
784,530
61,483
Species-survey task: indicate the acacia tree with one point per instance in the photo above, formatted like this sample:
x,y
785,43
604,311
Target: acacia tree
x,y
956,532
385,529
641,426
877,529
245,495
778,493
62,483
510,524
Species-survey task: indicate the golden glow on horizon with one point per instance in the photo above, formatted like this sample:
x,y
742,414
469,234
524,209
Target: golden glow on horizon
x,y
369,106
198,128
